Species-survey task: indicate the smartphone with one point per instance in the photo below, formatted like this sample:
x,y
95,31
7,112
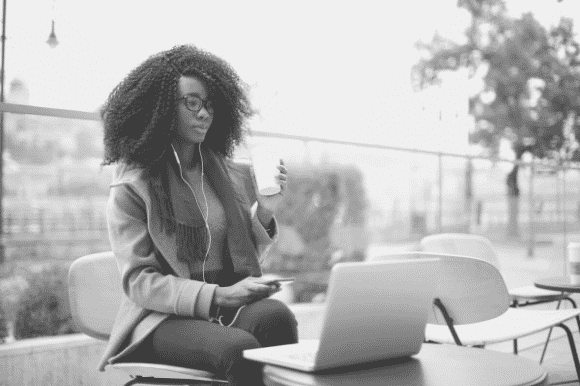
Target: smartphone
x,y
280,280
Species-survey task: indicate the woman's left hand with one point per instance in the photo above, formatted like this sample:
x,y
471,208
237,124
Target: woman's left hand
x,y
267,205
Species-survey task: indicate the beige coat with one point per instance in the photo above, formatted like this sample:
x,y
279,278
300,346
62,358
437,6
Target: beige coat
x,y
156,284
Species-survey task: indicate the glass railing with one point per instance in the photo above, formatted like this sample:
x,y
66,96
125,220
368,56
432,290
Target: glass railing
x,y
54,186
54,189
348,200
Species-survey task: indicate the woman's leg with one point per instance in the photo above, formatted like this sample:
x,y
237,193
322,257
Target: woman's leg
x,y
270,321
199,344
202,345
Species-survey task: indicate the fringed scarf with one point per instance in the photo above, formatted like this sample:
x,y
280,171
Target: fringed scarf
x,y
172,194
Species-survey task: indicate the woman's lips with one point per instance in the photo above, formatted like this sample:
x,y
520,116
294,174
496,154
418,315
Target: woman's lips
x,y
200,129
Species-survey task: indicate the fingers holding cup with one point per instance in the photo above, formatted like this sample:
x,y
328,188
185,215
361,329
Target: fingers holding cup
x,y
282,177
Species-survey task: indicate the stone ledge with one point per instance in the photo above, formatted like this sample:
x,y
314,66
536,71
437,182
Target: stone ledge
x,y
48,343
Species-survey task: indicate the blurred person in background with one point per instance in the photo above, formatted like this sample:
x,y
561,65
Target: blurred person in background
x,y
185,222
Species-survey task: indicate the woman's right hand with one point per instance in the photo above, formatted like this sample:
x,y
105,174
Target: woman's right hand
x,y
243,292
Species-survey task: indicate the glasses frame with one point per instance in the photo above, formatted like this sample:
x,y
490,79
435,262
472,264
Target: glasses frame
x,y
204,104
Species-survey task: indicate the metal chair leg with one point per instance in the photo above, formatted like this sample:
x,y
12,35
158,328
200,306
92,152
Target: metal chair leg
x,y
574,306
571,301
448,319
166,381
515,304
572,348
550,334
132,382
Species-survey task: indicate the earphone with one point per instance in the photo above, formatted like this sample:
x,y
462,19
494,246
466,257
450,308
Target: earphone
x,y
219,319
205,219
206,222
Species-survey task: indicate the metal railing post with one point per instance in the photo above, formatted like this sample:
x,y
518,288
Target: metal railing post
x,y
440,182
564,223
2,89
531,211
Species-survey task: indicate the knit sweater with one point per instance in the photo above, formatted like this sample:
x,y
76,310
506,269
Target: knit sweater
x,y
213,210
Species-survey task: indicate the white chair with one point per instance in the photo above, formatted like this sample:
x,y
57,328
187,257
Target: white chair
x,y
471,306
478,246
95,295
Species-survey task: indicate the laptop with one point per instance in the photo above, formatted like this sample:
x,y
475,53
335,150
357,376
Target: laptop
x,y
375,310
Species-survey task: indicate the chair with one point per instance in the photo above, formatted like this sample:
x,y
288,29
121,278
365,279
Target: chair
x,y
480,247
471,306
95,296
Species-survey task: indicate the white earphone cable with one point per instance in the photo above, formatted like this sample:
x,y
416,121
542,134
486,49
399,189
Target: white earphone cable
x,y
206,217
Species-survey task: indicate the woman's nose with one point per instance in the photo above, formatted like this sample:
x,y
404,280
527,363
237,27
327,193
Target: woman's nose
x,y
203,113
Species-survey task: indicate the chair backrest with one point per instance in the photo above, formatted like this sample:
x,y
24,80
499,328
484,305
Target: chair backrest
x,y
472,290
462,244
95,293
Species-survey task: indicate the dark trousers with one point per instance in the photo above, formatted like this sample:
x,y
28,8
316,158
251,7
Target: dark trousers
x,y
199,344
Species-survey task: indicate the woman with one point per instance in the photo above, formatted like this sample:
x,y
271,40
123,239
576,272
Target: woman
x,y
186,223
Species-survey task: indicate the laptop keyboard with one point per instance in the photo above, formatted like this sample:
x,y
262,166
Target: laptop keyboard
x,y
301,353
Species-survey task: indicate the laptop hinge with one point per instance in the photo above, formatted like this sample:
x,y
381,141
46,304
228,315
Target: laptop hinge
x,y
448,320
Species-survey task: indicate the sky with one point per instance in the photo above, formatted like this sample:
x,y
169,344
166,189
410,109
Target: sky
x,y
333,69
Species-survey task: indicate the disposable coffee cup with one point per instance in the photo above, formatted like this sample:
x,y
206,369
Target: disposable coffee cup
x,y
574,262
265,161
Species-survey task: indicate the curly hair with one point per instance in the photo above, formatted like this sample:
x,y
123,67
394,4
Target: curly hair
x,y
140,114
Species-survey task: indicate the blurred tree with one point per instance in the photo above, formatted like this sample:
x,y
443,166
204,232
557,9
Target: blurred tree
x,y
530,90
3,324
32,152
43,307
321,219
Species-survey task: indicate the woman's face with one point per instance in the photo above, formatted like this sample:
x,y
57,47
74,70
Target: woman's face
x,y
192,126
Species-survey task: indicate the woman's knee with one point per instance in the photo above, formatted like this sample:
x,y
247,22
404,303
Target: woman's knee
x,y
279,311
239,341
272,307
273,323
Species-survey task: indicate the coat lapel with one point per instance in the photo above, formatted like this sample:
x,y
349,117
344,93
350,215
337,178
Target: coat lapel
x,y
164,239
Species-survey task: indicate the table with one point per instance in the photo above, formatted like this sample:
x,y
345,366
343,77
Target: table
x,y
562,284
434,365
558,283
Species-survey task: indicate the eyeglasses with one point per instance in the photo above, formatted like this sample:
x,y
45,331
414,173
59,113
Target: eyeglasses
x,y
194,103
